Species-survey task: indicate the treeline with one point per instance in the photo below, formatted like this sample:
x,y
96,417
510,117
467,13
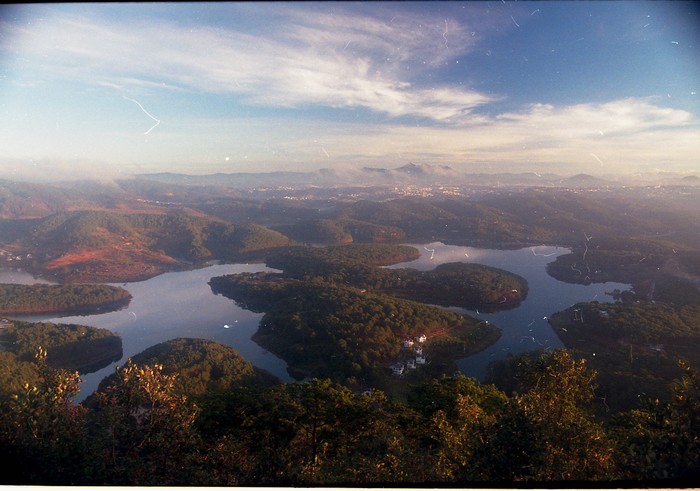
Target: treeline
x,y
329,330
523,217
632,237
141,429
465,285
40,298
200,366
342,231
633,346
99,246
72,346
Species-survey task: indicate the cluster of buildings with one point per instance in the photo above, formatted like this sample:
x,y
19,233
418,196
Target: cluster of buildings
x,y
9,256
416,357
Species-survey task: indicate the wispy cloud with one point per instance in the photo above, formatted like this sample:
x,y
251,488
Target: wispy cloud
x,y
612,118
344,60
381,60
621,134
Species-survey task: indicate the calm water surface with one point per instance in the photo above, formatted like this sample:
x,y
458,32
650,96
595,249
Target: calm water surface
x,y
175,305
181,304
525,328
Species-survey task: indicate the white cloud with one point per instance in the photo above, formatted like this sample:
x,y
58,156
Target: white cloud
x,y
622,134
566,139
588,120
338,60
345,60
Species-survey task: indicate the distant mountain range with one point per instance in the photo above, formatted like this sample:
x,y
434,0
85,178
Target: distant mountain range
x,y
419,174
411,173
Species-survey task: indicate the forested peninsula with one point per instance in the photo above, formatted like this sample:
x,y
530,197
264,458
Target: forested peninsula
x,y
470,286
331,314
63,299
198,366
635,347
70,346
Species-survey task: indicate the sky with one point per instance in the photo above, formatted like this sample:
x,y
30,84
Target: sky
x,y
91,90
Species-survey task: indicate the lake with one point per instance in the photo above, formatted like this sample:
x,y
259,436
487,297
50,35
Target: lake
x,y
525,328
181,304
169,306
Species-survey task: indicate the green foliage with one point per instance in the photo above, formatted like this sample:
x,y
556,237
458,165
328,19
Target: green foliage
x,y
323,319
462,284
140,430
319,230
369,254
14,373
634,346
42,430
201,366
443,394
317,432
547,433
331,330
143,430
40,298
452,284
71,346
663,440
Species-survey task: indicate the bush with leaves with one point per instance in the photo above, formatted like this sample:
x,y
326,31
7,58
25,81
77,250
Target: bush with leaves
x,y
43,432
144,430
663,440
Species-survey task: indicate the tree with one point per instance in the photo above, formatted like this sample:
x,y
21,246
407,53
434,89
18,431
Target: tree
x,y
144,430
548,433
459,415
43,432
663,440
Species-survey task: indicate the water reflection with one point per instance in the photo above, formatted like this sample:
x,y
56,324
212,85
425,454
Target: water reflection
x,y
179,304
525,328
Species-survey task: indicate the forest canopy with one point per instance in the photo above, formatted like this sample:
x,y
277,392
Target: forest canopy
x,y
471,286
70,346
141,429
334,312
40,298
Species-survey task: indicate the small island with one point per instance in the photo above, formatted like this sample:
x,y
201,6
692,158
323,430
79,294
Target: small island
x,y
61,299
465,285
334,312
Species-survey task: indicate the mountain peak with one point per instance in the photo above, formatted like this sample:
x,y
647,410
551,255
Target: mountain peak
x,y
424,169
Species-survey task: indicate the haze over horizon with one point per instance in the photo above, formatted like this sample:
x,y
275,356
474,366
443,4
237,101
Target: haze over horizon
x,y
93,90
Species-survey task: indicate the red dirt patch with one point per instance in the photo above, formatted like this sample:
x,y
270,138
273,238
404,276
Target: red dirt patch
x,y
111,264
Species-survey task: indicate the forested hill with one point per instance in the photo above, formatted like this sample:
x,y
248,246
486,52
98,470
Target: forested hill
x,y
70,346
499,217
328,330
109,247
200,366
72,299
511,218
334,313
472,286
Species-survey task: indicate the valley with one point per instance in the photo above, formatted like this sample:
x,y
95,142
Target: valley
x,y
332,285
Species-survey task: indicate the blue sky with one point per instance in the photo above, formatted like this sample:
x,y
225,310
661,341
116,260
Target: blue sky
x,y
113,89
